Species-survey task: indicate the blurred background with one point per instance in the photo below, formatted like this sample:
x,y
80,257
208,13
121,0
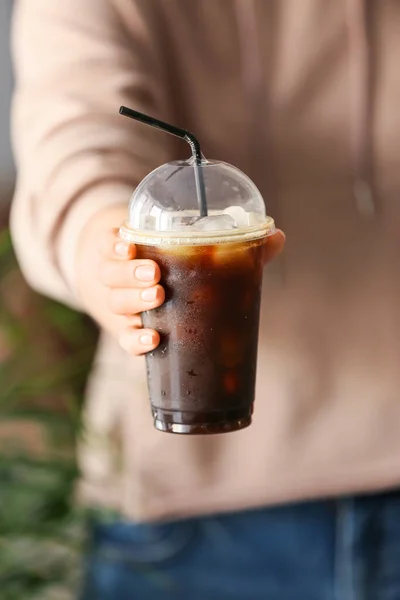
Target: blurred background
x,y
45,353
6,163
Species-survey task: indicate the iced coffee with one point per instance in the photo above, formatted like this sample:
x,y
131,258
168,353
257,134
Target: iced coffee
x,y
202,375
204,223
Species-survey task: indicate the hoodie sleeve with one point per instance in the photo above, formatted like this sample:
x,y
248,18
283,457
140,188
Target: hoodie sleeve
x,y
76,62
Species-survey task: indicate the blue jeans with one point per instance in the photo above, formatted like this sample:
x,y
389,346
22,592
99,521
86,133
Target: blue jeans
x,y
347,549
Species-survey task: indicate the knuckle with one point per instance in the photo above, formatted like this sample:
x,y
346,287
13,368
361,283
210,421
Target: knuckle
x,y
105,272
119,302
114,301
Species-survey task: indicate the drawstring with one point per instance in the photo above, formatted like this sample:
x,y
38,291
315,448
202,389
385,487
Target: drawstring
x,y
360,48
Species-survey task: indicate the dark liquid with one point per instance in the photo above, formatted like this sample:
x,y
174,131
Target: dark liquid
x,y
202,375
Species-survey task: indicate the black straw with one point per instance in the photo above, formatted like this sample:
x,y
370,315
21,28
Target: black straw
x,y
185,135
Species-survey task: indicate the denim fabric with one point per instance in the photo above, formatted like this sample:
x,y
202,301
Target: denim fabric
x,y
347,549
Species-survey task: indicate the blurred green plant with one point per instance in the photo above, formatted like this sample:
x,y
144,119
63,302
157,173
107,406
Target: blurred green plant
x,y
46,351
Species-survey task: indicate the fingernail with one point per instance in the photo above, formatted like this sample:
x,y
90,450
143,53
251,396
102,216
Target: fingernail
x,y
146,339
145,273
121,249
149,295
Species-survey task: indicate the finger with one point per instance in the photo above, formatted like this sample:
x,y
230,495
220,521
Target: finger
x,y
115,248
130,273
274,245
131,301
139,341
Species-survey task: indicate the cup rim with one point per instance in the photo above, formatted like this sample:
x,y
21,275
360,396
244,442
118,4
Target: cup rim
x,y
197,238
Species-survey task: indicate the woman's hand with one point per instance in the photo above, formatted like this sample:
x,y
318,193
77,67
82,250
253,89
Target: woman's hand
x,y
116,288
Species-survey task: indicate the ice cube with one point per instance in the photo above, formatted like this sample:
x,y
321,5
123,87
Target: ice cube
x,y
215,223
179,223
239,215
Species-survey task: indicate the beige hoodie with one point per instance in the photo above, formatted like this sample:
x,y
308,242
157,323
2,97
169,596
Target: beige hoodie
x,y
304,97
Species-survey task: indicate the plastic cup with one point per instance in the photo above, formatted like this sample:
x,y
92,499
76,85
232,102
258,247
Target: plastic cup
x,y
202,375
